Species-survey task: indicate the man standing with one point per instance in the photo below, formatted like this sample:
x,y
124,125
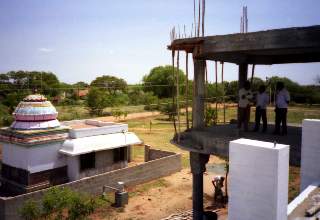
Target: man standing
x,y
282,101
262,101
245,95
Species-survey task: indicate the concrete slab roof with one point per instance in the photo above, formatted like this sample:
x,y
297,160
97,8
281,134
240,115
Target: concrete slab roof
x,y
278,46
84,145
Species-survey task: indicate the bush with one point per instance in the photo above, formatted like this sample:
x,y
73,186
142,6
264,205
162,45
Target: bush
x,y
5,117
169,109
30,210
81,207
210,116
152,107
117,113
59,203
55,200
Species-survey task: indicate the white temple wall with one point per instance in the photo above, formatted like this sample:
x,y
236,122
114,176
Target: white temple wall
x,y
73,168
310,153
34,158
258,180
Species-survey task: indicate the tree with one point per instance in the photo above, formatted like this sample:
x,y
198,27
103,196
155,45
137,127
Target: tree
x,y
160,81
111,84
81,85
97,100
138,97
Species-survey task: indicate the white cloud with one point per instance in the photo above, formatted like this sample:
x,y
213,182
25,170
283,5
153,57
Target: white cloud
x,y
45,50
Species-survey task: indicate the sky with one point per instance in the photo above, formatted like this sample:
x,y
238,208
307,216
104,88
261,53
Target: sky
x,y
79,40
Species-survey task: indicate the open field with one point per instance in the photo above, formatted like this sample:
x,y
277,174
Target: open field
x,y
295,113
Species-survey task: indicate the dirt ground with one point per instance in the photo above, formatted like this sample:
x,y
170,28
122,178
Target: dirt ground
x,y
161,198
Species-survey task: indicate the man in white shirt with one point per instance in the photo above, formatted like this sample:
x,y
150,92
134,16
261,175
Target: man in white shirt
x,y
282,101
245,95
262,101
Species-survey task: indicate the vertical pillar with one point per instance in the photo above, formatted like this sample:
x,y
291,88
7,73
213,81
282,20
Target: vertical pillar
x,y
197,160
242,78
198,93
310,153
198,166
258,180
146,152
129,153
243,74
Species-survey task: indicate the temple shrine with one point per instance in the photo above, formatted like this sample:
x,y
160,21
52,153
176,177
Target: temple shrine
x,y
38,151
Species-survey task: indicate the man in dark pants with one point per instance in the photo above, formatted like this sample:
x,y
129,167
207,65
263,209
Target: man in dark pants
x,y
282,101
262,101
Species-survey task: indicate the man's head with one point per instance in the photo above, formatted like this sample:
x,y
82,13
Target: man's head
x,y
280,85
262,89
247,85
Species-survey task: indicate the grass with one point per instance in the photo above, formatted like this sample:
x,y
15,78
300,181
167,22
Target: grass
x,y
295,114
140,189
159,137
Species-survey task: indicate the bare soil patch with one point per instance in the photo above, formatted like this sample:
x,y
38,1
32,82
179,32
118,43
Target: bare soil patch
x,y
161,198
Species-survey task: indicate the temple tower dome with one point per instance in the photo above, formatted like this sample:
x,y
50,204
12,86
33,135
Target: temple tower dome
x,y
34,113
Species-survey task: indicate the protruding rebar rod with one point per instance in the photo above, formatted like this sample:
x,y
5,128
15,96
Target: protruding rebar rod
x,y
178,106
187,90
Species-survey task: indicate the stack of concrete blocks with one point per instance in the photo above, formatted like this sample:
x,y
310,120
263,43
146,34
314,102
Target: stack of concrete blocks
x,y
310,153
258,181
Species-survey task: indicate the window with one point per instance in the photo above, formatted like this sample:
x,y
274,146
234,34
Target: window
x,y
119,154
87,161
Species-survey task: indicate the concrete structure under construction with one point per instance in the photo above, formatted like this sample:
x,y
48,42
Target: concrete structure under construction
x,y
280,46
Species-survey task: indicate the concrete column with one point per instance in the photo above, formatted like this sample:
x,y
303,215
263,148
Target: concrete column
x,y
198,93
242,77
198,166
258,180
146,152
310,153
129,153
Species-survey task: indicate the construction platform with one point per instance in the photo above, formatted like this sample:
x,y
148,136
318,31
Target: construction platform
x,y
215,140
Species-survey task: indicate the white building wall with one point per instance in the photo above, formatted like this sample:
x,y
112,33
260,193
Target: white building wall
x,y
258,181
310,153
73,168
33,158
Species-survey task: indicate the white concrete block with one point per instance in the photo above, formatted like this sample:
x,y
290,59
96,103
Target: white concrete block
x,y
310,153
258,181
104,129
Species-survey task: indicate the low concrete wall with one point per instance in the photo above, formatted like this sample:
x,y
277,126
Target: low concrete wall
x,y
152,154
145,172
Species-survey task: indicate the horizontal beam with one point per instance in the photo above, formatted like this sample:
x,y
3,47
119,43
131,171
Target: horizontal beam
x,y
289,45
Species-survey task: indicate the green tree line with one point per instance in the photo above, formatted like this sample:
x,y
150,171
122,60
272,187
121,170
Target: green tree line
x,y
158,86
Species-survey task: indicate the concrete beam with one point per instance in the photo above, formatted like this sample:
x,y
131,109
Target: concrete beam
x,y
288,45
